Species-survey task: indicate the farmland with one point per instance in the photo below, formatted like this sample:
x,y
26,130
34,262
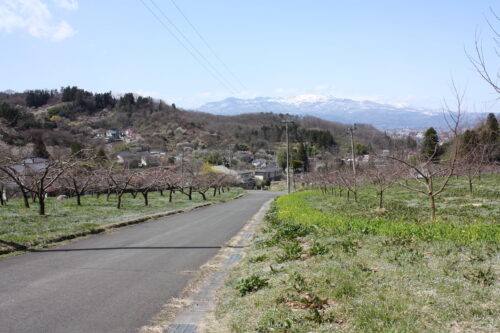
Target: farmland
x,y
323,263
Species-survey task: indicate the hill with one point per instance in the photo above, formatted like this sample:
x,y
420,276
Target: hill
x,y
72,117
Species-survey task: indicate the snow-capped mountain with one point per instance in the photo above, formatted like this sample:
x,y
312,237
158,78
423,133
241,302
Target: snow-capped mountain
x,y
382,116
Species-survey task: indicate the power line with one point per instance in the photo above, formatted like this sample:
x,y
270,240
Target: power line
x,y
208,45
193,47
186,48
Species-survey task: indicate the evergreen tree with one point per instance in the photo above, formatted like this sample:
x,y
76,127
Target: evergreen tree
x,y
491,129
470,140
430,146
9,113
302,156
39,150
101,156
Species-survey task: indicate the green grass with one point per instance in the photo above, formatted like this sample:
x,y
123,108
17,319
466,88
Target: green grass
x,y
406,214
336,266
25,226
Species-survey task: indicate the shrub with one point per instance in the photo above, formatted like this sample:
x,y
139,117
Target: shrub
x,y
318,249
292,251
251,284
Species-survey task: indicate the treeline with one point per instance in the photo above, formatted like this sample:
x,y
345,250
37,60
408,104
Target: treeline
x,y
163,126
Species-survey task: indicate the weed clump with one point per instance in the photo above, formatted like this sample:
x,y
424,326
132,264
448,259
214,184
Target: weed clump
x,y
251,284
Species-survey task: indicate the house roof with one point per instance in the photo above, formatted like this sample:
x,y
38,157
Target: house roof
x,y
270,169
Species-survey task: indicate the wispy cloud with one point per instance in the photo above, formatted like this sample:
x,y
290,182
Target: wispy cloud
x,y
34,17
67,4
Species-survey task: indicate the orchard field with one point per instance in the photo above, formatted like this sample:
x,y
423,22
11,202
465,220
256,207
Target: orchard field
x,y
323,263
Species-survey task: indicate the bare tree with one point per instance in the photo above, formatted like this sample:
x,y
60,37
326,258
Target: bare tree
x,y
79,179
478,59
121,183
383,178
145,181
346,179
14,168
425,170
170,181
473,157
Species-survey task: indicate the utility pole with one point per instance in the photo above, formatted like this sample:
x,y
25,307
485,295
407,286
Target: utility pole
x,y
351,130
287,154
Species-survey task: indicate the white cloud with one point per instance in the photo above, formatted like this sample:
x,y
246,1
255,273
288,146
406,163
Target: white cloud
x,y
67,4
34,17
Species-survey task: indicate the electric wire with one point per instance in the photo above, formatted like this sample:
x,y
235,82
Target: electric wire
x,y
193,47
208,45
185,46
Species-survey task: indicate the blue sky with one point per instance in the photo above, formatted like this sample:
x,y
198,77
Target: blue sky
x,y
400,52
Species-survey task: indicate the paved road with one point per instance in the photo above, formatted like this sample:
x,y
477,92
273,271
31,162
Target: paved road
x,y
115,282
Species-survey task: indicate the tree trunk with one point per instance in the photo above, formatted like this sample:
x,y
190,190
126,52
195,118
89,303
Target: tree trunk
x,y
41,204
203,195
134,194
170,195
471,192
145,195
433,207
219,190
161,192
119,204
78,200
190,193
215,191
381,202
25,198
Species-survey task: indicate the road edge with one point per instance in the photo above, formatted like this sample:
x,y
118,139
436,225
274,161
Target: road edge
x,y
194,307
18,249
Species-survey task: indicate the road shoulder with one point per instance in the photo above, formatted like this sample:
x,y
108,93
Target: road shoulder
x,y
193,310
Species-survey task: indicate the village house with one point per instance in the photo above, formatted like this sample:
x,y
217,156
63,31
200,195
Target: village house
x,y
269,174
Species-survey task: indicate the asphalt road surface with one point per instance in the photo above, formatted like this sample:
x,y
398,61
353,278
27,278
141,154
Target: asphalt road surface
x,y
116,282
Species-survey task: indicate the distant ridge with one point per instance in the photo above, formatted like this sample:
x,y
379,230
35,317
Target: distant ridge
x,y
382,116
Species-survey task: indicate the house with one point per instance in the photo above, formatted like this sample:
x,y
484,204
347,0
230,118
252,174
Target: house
x,y
112,134
269,174
128,132
244,156
225,170
28,166
149,158
245,178
260,163
128,159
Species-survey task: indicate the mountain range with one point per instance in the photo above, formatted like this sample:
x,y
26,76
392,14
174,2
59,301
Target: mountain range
x,y
382,116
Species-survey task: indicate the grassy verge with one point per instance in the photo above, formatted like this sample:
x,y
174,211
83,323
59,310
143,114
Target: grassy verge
x,y
323,264
26,227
